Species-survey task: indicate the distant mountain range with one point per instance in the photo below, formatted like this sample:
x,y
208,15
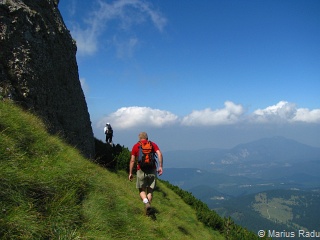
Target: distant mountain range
x,y
230,181
276,158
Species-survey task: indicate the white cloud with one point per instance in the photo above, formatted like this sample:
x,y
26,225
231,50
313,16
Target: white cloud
x,y
127,12
84,86
282,112
125,48
230,114
128,117
286,112
86,40
306,115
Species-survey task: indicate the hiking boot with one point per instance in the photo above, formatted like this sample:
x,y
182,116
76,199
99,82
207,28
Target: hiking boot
x,y
148,209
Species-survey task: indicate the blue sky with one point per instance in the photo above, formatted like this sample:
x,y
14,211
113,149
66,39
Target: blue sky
x,y
199,74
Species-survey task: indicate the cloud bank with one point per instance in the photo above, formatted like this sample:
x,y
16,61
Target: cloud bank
x,y
282,112
286,112
230,114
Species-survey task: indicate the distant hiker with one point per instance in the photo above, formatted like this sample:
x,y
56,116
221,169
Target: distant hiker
x,y
146,152
109,133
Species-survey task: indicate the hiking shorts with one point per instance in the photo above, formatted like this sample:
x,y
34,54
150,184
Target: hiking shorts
x,y
146,179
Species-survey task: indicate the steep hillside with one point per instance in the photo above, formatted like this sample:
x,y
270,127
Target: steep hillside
x,y
49,191
38,69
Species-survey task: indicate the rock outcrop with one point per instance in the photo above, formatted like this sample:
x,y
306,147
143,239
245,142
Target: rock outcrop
x,y
38,69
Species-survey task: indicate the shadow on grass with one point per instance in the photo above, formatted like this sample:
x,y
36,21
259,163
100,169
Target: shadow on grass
x,y
152,213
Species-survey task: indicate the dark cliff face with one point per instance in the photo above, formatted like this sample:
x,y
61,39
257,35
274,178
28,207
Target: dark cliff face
x,y
38,69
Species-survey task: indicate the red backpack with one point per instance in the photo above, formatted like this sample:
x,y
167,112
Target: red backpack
x,y
146,155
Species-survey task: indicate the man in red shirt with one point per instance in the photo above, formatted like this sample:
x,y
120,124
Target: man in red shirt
x,y
146,178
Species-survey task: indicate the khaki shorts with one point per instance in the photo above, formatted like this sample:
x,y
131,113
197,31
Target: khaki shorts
x,y
146,179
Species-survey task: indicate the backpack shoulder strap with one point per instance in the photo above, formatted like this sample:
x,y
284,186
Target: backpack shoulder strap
x,y
140,153
151,146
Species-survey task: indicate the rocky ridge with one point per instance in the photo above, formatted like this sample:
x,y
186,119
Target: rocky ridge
x,y
38,69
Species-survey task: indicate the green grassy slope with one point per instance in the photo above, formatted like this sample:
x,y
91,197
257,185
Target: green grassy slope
x,y
49,191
